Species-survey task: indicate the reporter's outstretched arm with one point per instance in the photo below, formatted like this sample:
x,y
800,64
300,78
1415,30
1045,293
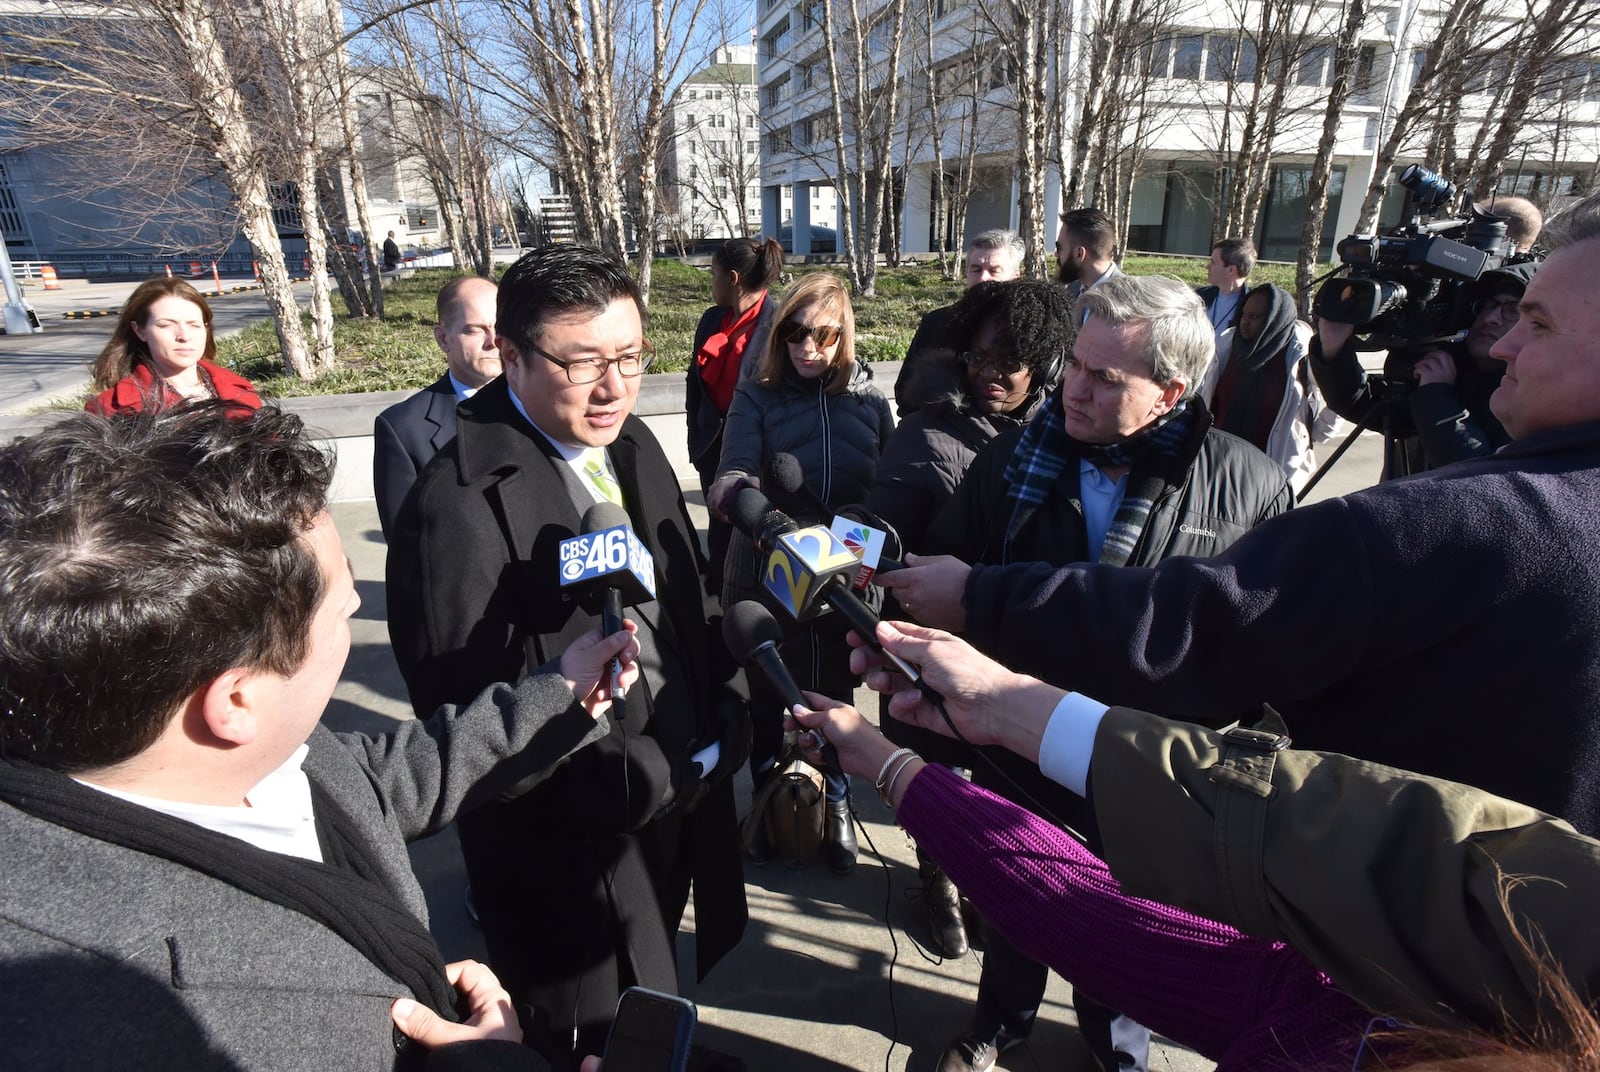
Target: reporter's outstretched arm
x,y
1393,883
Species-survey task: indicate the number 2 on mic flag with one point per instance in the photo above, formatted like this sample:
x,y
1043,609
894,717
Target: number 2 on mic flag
x,y
800,562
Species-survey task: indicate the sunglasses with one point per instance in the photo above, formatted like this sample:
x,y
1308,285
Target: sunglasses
x,y
825,335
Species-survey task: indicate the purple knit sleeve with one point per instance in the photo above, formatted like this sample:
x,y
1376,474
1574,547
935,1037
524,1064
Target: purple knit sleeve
x,y
1241,1001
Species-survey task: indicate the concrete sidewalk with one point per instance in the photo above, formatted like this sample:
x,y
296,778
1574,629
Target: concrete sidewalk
x,y
810,986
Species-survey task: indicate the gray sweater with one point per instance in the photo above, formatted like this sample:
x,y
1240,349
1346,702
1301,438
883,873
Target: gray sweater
x,y
117,959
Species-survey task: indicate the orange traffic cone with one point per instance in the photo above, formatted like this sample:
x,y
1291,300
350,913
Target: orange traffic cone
x,y
48,274
196,270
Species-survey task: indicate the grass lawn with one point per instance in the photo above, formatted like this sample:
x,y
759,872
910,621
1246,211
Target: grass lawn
x,y
399,353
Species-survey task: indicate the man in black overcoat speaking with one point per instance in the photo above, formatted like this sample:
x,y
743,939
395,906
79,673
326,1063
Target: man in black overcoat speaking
x,y
581,882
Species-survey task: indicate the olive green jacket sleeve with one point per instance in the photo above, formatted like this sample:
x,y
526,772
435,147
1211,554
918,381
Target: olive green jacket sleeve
x,y
1393,883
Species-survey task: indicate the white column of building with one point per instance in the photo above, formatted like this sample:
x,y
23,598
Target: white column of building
x,y
771,210
916,215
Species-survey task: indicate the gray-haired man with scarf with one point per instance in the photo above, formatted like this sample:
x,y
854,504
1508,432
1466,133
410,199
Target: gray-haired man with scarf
x,y
1122,466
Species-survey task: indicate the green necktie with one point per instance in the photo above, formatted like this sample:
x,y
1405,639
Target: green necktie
x,y
600,478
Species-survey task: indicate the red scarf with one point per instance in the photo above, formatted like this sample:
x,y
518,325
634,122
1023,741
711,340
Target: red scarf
x,y
721,355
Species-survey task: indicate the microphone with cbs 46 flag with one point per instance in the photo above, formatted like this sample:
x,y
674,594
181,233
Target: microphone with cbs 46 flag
x,y
606,568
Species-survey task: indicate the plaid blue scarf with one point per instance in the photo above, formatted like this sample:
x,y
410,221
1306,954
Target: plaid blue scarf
x,y
1045,450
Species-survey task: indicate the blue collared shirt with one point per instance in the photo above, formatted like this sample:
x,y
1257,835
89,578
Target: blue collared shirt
x,y
1100,496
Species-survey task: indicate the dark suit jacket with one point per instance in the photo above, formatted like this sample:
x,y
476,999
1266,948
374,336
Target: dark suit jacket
x,y
590,867
405,437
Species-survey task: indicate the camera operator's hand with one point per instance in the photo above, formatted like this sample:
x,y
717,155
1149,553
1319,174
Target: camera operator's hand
x,y
1333,335
1435,366
491,1015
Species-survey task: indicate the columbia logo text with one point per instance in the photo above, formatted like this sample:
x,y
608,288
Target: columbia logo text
x,y
1193,531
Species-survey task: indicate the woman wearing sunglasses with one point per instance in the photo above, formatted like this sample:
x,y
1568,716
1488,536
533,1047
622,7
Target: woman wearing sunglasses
x,y
809,398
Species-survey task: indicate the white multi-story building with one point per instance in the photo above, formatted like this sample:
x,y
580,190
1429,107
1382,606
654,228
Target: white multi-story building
x,y
711,167
1189,127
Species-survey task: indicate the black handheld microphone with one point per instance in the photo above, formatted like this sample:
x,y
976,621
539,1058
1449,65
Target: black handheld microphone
x,y
787,480
809,569
752,634
605,569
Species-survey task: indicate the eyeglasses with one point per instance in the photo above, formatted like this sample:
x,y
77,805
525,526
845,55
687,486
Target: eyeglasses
x,y
583,370
1508,307
825,335
977,362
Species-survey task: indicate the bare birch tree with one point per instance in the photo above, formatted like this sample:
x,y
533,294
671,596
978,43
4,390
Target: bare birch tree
x,y
1347,48
172,74
1454,44
865,112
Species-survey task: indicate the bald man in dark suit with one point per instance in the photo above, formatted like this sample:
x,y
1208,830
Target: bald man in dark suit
x,y
407,435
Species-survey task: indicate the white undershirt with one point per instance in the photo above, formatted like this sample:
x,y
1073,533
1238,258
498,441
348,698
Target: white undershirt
x,y
278,817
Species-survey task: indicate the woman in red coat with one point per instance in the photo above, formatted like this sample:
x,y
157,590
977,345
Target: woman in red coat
x,y
162,354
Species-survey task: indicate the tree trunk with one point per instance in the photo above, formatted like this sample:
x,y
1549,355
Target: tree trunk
x,y
244,165
357,167
1348,47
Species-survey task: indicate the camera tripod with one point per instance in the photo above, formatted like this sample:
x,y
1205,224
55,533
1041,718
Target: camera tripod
x,y
1389,415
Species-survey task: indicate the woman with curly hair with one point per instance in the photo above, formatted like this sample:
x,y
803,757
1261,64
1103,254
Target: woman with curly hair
x,y
1005,352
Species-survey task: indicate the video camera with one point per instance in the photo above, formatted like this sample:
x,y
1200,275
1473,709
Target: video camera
x,y
1410,289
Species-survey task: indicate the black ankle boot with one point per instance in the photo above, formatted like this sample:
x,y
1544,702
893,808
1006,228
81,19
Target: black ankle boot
x,y
839,837
943,902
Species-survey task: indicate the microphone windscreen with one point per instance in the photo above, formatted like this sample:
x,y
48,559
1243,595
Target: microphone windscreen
x,y
746,626
749,507
786,473
605,515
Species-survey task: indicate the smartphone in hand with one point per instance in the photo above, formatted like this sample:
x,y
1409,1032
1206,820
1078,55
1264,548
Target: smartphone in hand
x,y
650,1033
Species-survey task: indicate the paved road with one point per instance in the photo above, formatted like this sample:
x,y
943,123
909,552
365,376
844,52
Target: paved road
x,y
34,369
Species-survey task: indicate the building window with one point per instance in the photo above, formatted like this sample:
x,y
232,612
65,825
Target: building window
x,y
750,147
1365,81
1313,67
10,214
694,94
1159,59
776,43
1186,57
1219,59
